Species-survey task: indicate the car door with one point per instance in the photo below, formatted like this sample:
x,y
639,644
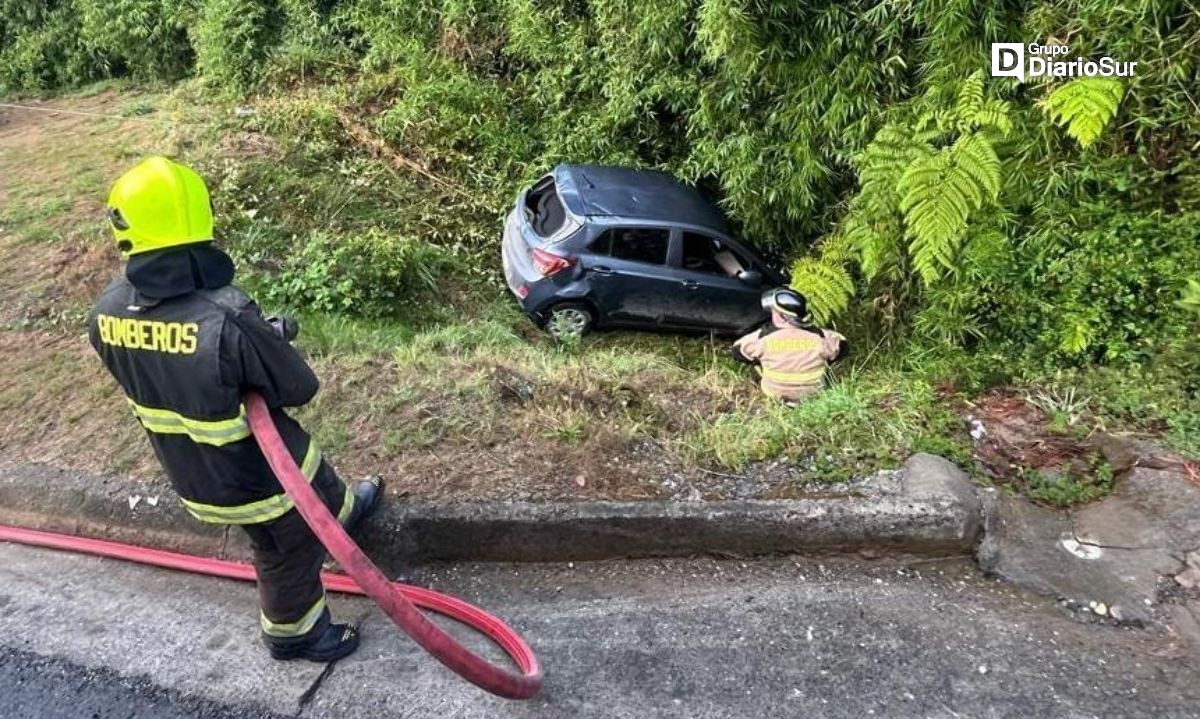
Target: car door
x,y
626,268
712,294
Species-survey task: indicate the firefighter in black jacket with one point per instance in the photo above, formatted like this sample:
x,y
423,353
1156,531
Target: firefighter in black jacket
x,y
185,345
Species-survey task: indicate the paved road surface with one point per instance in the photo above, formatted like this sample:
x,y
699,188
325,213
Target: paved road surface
x,y
82,637
35,686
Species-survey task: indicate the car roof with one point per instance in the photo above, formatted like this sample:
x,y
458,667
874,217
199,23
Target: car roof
x,y
597,190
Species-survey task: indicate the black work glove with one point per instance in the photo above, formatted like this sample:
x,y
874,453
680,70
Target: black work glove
x,y
286,326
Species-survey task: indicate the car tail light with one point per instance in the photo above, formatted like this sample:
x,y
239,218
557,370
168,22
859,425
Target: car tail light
x,y
548,263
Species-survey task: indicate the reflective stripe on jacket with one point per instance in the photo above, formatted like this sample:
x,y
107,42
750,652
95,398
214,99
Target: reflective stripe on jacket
x,y
215,432
793,359
184,363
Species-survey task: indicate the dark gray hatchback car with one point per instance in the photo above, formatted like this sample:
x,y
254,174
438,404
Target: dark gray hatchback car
x,y
591,246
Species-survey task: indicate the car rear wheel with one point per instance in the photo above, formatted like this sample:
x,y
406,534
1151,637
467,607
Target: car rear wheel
x,y
570,319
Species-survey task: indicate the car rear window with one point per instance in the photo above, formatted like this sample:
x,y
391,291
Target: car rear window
x,y
637,244
544,209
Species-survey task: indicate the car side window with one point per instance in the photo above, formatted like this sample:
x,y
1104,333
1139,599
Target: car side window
x,y
636,244
703,253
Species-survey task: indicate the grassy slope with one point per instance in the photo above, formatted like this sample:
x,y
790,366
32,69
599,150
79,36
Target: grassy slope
x,y
464,399
55,404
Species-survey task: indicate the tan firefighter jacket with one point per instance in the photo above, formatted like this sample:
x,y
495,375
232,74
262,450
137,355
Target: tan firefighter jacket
x,y
793,359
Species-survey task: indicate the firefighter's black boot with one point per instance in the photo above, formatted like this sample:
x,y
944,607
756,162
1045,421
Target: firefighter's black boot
x,y
367,495
327,644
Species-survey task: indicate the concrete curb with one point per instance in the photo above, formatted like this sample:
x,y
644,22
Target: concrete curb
x,y
930,507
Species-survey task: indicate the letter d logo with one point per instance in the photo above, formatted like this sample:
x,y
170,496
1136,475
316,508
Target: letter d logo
x,y
1008,60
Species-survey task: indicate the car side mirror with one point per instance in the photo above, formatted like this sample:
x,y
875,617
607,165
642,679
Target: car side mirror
x,y
753,278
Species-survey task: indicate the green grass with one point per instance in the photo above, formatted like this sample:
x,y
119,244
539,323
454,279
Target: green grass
x,y
97,88
30,211
136,108
325,335
88,181
866,420
460,341
683,393
1069,487
32,219
1160,400
569,428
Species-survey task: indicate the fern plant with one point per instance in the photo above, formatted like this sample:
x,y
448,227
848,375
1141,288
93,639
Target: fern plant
x,y
938,195
921,181
825,280
1084,106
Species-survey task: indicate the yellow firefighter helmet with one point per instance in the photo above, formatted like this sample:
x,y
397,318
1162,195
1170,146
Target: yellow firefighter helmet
x,y
159,204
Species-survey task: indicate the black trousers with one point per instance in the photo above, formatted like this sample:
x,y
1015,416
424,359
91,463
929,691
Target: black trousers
x,y
288,559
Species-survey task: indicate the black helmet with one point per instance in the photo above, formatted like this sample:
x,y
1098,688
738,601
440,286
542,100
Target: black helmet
x,y
789,303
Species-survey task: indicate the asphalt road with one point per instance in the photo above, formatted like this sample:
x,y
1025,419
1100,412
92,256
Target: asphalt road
x,y
83,637
35,686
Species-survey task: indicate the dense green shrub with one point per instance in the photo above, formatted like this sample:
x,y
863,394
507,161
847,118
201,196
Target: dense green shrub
x,y
450,119
1099,282
41,46
370,274
50,43
232,39
1190,297
144,38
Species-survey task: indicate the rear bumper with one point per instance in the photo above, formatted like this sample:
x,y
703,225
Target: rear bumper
x,y
534,298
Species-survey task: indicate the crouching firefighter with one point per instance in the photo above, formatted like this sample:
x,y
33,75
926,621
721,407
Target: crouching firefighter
x,y
185,345
792,353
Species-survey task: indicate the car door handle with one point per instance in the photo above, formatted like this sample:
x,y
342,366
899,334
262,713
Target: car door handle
x,y
602,270
690,284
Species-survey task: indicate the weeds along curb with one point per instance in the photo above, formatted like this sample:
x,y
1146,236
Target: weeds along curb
x,y
930,507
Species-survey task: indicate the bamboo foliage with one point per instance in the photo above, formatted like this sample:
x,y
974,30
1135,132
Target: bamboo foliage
x,y
1190,297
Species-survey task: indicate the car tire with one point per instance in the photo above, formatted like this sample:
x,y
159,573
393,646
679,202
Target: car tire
x,y
574,318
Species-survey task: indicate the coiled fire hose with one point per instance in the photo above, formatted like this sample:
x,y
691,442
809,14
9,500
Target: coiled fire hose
x,y
391,597
398,601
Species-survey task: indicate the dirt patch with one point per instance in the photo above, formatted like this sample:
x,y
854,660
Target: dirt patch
x,y
247,144
1017,445
52,283
82,268
518,470
1017,437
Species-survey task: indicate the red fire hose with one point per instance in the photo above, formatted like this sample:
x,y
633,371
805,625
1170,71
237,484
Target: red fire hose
x,y
398,601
